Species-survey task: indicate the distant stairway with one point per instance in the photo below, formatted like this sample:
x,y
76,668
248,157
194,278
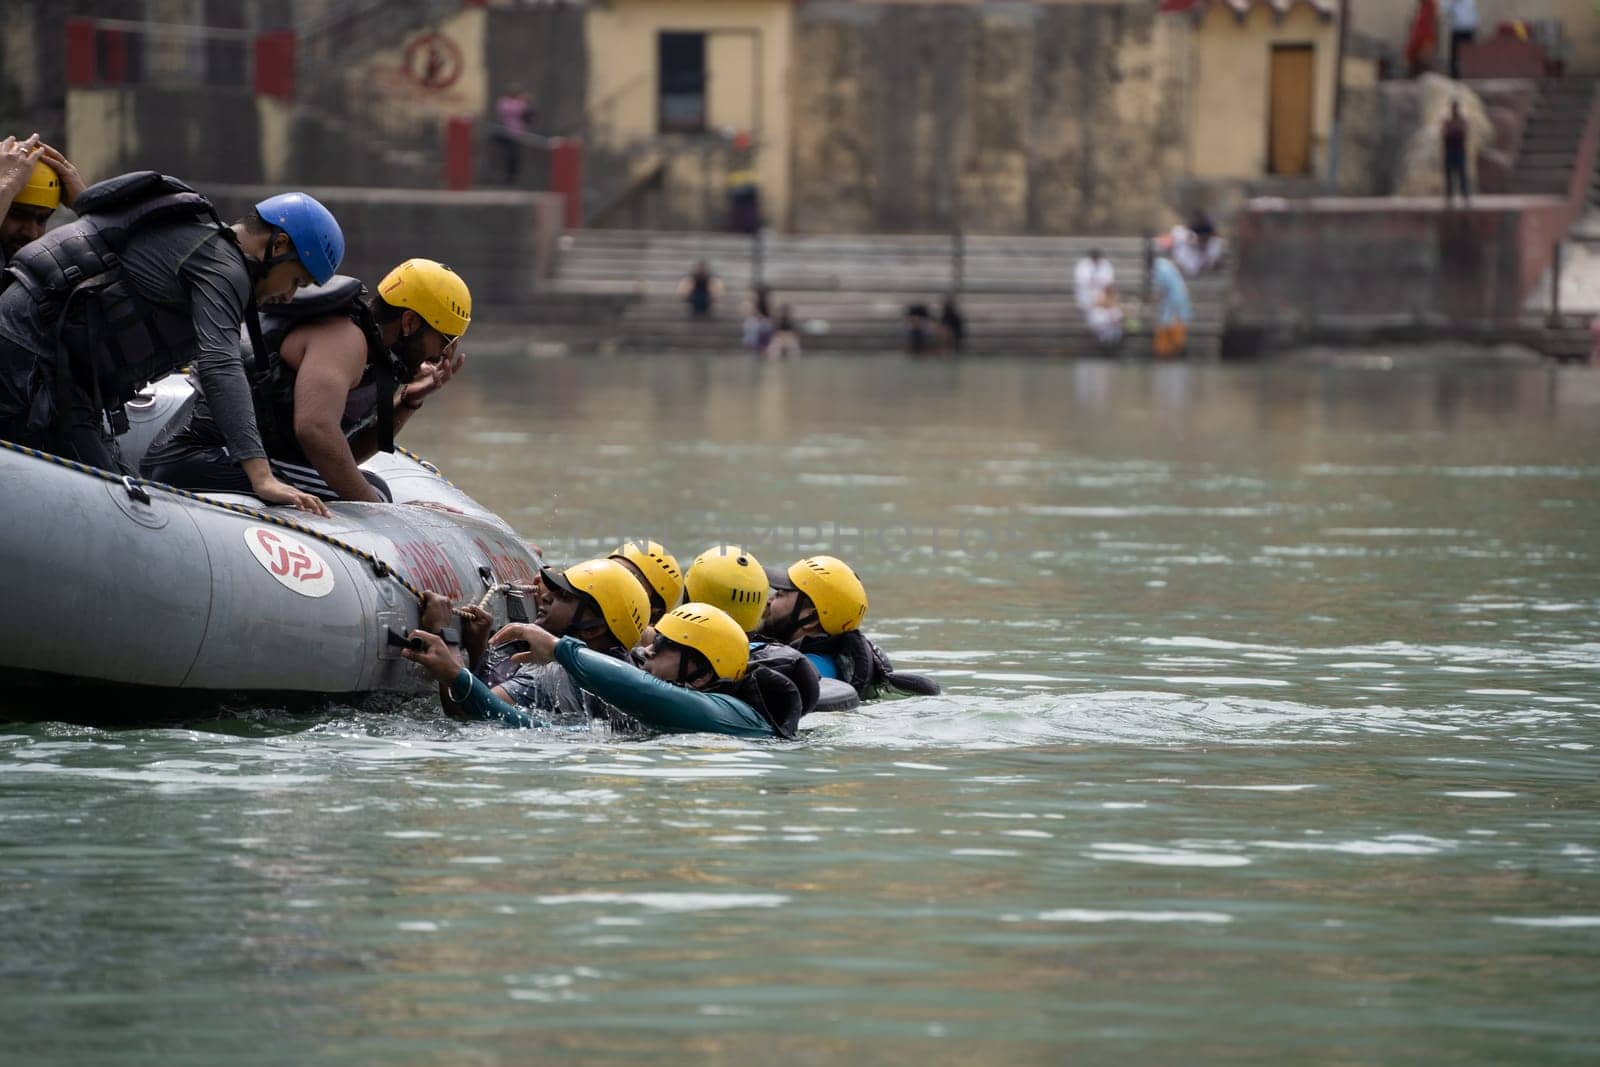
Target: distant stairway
x,y
1550,140
850,293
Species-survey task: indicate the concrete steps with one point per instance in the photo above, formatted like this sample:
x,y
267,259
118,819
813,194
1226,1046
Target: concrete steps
x,y
850,293
1549,146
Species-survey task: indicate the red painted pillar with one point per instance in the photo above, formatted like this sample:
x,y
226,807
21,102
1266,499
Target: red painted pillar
x,y
566,177
116,56
458,152
81,62
275,64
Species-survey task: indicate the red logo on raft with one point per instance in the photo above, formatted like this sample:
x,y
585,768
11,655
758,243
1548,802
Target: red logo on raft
x,y
292,562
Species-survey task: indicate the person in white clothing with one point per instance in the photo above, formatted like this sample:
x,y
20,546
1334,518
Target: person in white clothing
x,y
1093,276
1463,28
1187,252
1105,318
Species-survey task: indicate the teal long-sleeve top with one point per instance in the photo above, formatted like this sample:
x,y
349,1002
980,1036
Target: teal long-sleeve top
x,y
474,697
672,709
654,703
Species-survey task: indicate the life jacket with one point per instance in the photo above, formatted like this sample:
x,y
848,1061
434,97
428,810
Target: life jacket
x,y
864,665
113,338
774,696
272,380
792,664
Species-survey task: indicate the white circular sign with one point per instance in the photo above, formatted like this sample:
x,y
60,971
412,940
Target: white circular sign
x,y
293,562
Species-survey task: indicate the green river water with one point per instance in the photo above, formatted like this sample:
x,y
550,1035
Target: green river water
x,y
1268,736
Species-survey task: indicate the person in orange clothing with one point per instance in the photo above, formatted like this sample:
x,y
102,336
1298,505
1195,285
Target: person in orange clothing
x,y
1423,43
1172,308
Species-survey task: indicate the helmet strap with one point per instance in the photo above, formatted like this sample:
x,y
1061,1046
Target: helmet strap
x,y
260,267
692,665
590,622
790,625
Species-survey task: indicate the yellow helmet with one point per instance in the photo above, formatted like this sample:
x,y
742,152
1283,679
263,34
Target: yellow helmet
x,y
711,632
43,188
728,577
433,291
835,592
658,566
622,599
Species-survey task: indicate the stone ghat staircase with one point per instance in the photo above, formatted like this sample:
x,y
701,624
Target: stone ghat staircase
x,y
618,289
1550,140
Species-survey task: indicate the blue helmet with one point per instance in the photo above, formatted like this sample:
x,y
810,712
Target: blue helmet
x,y
318,241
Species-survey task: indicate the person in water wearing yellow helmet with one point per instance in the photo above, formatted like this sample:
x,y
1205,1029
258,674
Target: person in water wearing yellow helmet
x,y
344,372
728,577
817,606
35,179
657,571
694,677
598,603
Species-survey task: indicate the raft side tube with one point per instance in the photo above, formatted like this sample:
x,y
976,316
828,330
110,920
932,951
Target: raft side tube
x,y
99,584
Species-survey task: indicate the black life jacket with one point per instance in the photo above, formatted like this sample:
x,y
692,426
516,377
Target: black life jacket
x,y
792,664
115,340
272,380
866,666
773,694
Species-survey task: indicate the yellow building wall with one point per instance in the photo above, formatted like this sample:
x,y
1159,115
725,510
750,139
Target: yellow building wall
x,y
101,131
1232,97
747,41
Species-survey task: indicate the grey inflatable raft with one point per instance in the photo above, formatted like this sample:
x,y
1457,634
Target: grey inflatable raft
x,y
169,597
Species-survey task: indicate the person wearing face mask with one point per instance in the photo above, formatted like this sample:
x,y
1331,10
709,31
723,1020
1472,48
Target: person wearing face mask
x,y
816,606
325,397
694,677
146,280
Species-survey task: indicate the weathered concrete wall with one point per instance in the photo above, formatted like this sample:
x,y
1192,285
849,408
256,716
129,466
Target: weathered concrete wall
x,y
227,135
540,48
370,114
33,79
210,136
1378,263
1001,118
405,91
500,242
